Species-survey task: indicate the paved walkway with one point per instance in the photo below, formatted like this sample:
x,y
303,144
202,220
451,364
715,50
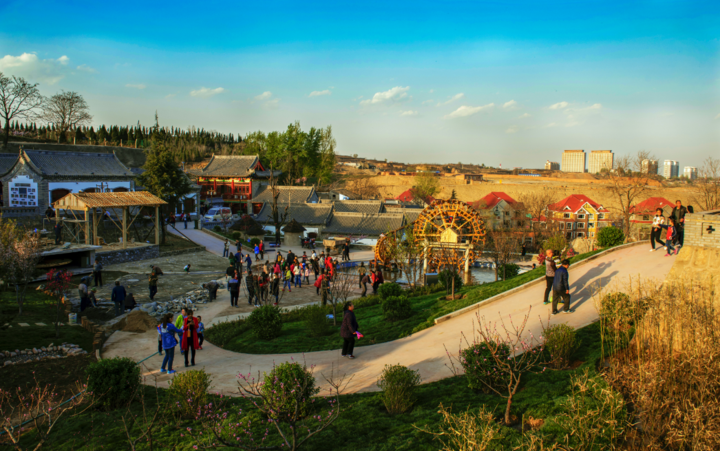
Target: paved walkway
x,y
423,351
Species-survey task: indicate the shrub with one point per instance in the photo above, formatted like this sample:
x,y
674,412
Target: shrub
x,y
508,271
618,311
557,243
445,277
217,229
480,368
188,392
467,430
266,322
387,290
422,290
398,384
610,236
237,235
315,317
114,381
254,241
287,387
222,334
397,307
560,343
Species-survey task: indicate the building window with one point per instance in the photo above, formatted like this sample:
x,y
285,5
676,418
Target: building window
x,y
566,215
581,216
580,225
590,216
581,235
646,217
562,225
591,225
601,216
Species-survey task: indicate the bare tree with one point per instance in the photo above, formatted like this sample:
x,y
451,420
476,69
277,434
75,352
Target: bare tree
x,y
278,217
18,100
500,244
707,194
66,110
341,289
534,204
628,185
407,253
20,254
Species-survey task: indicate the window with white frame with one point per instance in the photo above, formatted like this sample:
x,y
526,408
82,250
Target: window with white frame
x,y
566,215
591,216
601,216
580,225
581,216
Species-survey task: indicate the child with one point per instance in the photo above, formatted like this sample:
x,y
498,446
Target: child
x,y
201,332
187,268
167,331
670,236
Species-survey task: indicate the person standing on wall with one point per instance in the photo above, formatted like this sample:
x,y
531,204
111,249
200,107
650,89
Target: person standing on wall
x,y
561,287
550,268
190,340
97,272
656,230
348,330
678,214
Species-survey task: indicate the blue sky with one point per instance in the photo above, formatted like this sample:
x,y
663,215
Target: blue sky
x,y
511,83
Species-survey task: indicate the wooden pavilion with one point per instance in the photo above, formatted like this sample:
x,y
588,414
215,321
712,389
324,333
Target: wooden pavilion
x,y
91,203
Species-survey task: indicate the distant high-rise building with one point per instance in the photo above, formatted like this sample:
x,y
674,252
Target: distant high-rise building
x,y
552,165
599,160
573,161
690,172
671,168
649,167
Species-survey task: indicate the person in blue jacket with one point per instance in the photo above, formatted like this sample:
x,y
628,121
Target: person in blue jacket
x,y
561,287
168,331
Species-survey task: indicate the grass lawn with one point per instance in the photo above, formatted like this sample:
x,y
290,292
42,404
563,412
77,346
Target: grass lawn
x,y
365,424
373,325
38,308
176,243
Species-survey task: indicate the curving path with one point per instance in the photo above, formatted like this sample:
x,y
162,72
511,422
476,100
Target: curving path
x,y
424,351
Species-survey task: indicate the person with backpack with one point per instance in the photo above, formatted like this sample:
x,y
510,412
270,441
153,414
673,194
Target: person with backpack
x,y
561,287
190,340
167,341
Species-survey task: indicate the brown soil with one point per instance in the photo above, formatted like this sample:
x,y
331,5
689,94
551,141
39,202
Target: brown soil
x,y
137,321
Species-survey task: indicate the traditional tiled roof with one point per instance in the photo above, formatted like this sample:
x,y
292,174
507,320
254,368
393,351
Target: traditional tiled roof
x,y
291,194
574,202
411,214
357,206
491,200
77,164
228,166
305,214
81,201
7,161
364,224
648,206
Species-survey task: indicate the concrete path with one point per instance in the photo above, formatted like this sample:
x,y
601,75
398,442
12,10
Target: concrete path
x,y
423,351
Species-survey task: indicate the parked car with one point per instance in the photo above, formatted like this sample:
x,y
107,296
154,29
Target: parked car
x,y
218,213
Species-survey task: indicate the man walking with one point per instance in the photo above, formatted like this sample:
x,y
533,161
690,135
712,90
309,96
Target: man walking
x,y
561,287
550,269
118,298
678,214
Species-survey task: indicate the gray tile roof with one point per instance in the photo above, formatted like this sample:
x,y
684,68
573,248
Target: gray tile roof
x,y
358,206
77,164
7,161
364,224
305,214
228,165
410,213
288,194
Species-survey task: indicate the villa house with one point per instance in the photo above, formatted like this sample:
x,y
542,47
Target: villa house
x,y
642,214
500,210
578,216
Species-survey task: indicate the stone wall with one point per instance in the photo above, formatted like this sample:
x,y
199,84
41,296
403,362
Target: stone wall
x,y
129,255
703,229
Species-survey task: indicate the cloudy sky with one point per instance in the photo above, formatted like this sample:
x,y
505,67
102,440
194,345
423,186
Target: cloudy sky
x,y
511,83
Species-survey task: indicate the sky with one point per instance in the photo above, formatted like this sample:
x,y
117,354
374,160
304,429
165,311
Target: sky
x,y
501,83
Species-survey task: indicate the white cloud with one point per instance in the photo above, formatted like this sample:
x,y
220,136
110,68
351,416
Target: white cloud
x,y
428,102
271,104
326,92
512,129
86,68
457,96
409,113
394,95
264,96
511,105
465,111
206,92
524,115
717,117
138,86
28,65
558,106
170,96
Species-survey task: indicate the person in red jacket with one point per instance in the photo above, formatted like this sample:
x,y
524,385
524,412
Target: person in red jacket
x,y
190,337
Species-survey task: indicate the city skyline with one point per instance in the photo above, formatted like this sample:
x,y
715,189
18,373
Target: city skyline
x,y
465,83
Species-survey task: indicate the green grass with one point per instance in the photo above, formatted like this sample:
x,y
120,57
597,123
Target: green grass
x,y
365,425
375,328
38,308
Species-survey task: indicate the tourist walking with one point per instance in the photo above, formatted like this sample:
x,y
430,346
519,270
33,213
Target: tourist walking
x,y
248,260
250,285
561,287
261,248
234,287
275,287
238,261
152,284
296,273
167,341
363,283
226,248
306,273
678,214
185,219
201,332
257,253
97,272
656,230
379,280
325,288
288,280
238,245
550,268
348,330
118,297
190,340
179,322
670,236
346,251
361,272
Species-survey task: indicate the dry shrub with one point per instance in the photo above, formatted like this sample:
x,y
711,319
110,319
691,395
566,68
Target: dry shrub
x,y
670,372
467,431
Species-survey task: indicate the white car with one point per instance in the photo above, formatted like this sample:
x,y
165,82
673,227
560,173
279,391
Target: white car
x,y
217,214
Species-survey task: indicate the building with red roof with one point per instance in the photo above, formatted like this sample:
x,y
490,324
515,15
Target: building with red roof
x,y
407,196
499,209
643,212
578,216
